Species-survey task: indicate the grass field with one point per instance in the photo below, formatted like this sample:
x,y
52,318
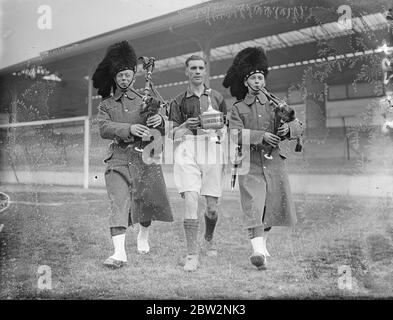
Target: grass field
x,y
69,233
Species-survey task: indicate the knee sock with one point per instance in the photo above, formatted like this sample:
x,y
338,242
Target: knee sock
x,y
256,237
191,230
257,245
119,245
210,224
119,238
143,234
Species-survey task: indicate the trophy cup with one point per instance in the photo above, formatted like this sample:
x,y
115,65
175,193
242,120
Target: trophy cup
x,y
211,119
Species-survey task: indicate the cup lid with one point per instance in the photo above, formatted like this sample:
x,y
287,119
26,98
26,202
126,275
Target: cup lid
x,y
211,111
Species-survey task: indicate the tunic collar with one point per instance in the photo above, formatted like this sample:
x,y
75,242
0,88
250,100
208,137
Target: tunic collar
x,y
250,98
129,94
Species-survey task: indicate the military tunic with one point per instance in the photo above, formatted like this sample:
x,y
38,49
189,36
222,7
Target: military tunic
x,y
137,190
266,184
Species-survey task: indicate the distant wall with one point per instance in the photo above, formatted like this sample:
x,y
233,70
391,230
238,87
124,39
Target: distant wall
x,y
354,111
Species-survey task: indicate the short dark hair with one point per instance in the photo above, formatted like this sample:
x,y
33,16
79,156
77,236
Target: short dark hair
x,y
194,57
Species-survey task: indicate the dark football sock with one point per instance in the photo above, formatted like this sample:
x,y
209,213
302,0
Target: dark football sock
x,y
210,225
191,230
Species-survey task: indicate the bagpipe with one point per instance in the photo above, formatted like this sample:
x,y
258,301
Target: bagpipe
x,y
150,105
283,113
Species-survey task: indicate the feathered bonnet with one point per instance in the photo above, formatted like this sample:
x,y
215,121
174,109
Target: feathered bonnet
x,y
247,62
119,56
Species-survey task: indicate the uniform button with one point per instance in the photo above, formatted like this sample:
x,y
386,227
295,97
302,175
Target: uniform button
x,y
126,110
259,115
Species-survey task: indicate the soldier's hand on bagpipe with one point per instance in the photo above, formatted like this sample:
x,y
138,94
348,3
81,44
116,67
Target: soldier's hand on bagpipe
x,y
283,130
139,130
271,139
154,121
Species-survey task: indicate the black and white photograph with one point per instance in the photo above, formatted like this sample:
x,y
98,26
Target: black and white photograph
x,y
217,151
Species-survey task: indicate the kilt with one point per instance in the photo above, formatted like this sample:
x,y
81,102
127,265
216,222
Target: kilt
x,y
136,190
266,185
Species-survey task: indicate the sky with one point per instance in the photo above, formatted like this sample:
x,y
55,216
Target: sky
x,y
28,27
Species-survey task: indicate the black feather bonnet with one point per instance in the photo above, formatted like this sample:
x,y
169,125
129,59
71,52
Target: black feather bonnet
x,y
247,62
119,56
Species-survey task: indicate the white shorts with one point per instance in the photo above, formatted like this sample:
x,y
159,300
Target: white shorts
x,y
199,166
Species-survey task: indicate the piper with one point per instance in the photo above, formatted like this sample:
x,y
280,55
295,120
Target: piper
x,y
136,190
264,191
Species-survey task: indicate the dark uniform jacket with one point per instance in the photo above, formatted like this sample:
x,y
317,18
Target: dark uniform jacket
x,y
188,105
